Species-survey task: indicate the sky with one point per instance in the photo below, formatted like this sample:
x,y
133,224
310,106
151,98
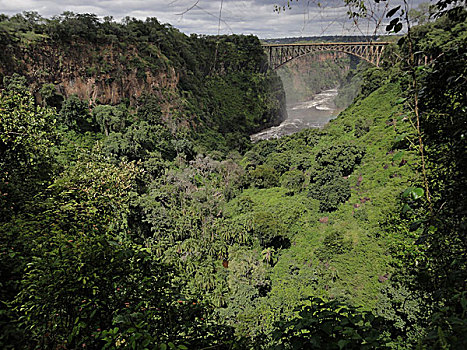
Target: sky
x,y
305,18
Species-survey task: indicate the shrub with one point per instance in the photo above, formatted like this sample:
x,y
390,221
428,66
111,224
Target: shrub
x,y
293,180
264,176
362,126
329,187
50,96
279,161
251,159
334,243
344,156
331,325
332,194
268,229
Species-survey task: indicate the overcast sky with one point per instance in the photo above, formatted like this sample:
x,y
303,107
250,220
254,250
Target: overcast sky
x,y
256,17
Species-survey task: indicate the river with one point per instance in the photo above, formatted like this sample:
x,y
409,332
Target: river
x,y
303,115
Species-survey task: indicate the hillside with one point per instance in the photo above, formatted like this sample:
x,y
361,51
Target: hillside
x,y
152,222
219,87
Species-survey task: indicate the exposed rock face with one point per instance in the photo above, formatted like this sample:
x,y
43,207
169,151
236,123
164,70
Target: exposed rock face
x,y
231,95
105,74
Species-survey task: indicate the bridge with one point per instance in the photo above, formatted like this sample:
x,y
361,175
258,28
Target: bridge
x,y
280,54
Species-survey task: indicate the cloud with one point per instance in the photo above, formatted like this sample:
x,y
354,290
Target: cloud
x,y
256,17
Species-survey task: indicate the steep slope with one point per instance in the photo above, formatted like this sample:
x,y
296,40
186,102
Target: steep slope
x,y
219,87
328,239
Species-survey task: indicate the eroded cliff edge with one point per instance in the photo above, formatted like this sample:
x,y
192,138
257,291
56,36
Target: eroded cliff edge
x,y
218,88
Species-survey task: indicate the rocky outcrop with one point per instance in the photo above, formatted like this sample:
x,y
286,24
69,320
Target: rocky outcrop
x,y
100,74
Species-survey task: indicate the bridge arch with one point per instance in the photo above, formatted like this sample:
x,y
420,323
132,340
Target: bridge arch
x,y
280,54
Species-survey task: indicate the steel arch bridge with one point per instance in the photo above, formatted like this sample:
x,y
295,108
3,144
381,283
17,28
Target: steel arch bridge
x,y
280,54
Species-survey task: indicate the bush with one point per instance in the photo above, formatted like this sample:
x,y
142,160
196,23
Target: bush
x,y
373,79
334,243
279,161
252,159
332,194
75,115
329,187
344,156
264,176
293,180
50,96
331,325
268,230
362,126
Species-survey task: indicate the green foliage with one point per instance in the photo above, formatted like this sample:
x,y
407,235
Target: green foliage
x,y
330,188
217,85
404,309
362,126
342,157
331,325
264,176
26,137
439,226
248,282
142,141
268,230
109,118
50,96
128,238
74,113
281,162
293,180
373,78
334,243
149,109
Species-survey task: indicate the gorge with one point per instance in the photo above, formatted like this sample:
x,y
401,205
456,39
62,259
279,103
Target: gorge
x,y
136,213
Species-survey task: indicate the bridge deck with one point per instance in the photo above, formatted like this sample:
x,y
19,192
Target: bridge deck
x,y
331,44
279,54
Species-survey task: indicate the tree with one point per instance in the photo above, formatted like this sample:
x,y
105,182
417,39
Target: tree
x,y
331,325
26,135
75,114
109,118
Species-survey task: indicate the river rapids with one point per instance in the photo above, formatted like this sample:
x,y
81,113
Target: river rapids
x,y
314,113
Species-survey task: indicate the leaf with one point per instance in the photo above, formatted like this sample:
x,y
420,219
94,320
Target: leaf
x,y
398,156
415,225
417,193
407,192
398,27
342,343
401,100
399,138
413,192
393,11
405,208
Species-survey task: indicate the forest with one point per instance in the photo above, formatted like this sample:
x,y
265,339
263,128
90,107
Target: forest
x,y
135,212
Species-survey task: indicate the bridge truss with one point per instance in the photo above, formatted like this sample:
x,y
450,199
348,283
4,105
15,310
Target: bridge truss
x,y
280,54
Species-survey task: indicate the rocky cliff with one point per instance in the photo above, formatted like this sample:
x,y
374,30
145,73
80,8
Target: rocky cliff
x,y
220,83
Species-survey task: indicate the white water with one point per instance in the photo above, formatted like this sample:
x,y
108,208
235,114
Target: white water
x,y
303,115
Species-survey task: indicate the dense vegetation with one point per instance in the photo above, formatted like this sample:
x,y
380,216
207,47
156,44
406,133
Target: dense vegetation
x,y
218,90
121,229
